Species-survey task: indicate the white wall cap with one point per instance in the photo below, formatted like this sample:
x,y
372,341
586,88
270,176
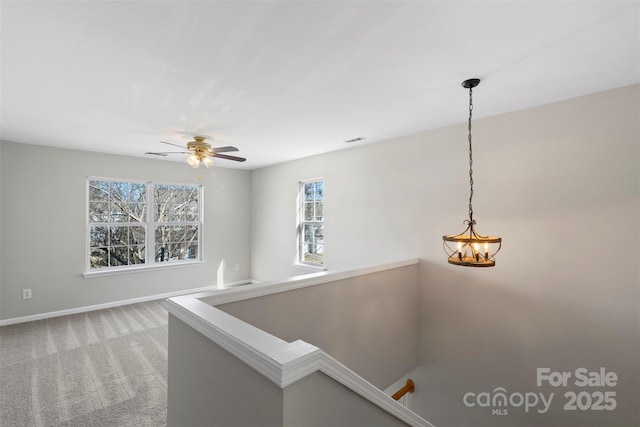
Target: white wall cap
x,y
224,296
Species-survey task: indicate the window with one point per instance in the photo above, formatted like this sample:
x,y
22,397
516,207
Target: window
x,y
310,223
133,223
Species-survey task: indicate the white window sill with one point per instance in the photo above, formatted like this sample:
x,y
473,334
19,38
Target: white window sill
x,y
311,267
158,266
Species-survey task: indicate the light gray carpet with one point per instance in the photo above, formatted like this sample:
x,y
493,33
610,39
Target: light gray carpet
x,y
101,368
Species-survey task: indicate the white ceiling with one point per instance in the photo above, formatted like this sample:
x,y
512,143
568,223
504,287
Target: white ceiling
x,y
283,80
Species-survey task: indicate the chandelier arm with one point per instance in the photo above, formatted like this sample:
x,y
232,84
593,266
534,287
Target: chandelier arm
x,y
446,248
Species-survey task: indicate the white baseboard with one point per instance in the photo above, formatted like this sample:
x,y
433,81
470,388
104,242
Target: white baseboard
x,y
240,283
84,309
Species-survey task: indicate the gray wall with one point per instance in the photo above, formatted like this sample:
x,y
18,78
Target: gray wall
x,y
44,232
369,323
1,239
560,183
207,386
565,182
318,400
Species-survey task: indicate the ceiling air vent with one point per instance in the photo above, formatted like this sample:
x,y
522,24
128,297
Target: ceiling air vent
x,y
349,141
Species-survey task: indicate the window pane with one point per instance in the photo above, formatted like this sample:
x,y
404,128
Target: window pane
x,y
162,193
118,255
99,190
308,211
170,234
162,253
116,214
138,193
137,212
191,233
98,211
119,191
98,236
312,232
191,194
319,213
118,236
136,254
176,250
313,253
181,250
177,194
171,251
319,191
309,190
307,232
176,233
192,250
162,235
159,212
177,212
191,211
136,235
99,257
318,234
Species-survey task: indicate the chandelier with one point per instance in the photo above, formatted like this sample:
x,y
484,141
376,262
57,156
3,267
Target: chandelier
x,y
469,248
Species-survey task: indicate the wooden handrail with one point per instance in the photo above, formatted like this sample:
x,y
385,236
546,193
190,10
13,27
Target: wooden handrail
x,y
409,387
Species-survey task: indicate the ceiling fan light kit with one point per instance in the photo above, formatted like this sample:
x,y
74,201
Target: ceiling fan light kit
x,y
201,151
469,248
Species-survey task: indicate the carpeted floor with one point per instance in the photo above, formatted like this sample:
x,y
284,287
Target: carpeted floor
x,y
101,368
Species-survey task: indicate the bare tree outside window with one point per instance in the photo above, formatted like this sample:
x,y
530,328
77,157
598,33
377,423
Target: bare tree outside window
x,y
311,223
128,218
176,219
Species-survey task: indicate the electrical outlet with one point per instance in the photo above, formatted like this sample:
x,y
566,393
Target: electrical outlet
x,y
237,267
26,293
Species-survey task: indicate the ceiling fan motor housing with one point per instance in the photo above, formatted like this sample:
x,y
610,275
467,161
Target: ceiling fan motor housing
x,y
198,144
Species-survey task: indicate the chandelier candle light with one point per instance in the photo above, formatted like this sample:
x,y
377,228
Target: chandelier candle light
x,y
469,248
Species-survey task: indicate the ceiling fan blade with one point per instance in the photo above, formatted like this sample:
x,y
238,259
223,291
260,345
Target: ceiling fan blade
x,y
175,145
224,149
234,158
164,153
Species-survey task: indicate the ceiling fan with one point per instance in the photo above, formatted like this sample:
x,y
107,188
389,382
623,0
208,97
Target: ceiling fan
x,y
200,152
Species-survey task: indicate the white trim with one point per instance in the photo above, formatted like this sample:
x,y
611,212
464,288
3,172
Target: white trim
x,y
83,309
262,351
108,271
223,296
281,362
239,283
310,267
308,180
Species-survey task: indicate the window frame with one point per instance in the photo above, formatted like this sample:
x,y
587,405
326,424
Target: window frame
x,y
301,222
149,225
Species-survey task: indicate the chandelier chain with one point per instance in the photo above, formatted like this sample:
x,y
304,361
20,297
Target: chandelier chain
x,y
470,157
